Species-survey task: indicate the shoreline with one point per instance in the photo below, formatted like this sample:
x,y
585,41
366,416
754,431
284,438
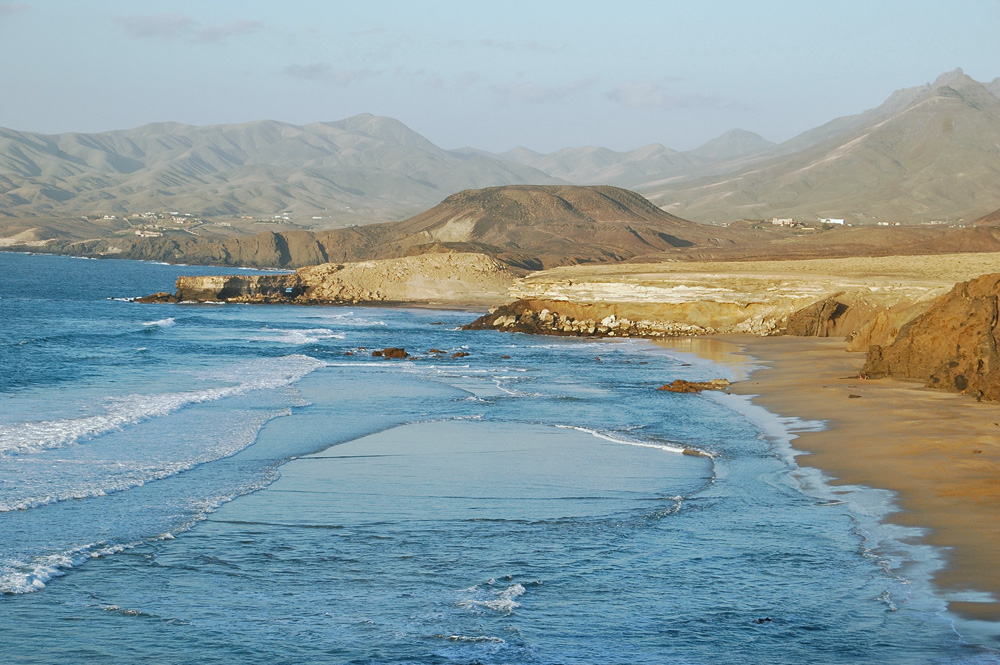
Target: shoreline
x,y
937,452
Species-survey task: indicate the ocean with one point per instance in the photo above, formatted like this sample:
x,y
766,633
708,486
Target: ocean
x,y
248,484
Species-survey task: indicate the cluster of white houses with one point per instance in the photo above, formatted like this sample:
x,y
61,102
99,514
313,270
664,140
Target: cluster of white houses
x,y
788,221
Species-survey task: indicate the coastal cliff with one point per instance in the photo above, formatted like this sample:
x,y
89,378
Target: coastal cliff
x,y
452,279
906,312
952,345
866,301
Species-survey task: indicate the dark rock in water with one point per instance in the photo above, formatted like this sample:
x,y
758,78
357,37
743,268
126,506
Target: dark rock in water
x,y
682,386
853,396
954,345
390,352
160,296
459,354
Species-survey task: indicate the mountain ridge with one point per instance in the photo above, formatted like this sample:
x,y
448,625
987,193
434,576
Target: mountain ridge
x,y
938,156
368,168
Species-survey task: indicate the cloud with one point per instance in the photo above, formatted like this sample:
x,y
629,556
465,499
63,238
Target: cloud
x,y
320,71
12,8
533,46
368,32
533,93
181,26
167,26
216,33
460,83
649,95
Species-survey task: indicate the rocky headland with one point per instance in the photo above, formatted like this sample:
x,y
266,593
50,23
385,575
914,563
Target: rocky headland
x,y
451,279
905,312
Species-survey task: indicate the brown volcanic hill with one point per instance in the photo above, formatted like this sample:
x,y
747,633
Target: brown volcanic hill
x,y
992,218
937,157
554,225
527,226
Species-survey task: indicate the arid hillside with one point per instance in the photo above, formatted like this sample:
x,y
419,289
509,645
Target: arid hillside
x,y
524,226
364,168
928,154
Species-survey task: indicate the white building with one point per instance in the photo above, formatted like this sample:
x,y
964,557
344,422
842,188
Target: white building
x,y
832,221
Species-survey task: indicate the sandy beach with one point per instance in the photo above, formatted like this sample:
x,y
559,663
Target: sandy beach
x,y
939,452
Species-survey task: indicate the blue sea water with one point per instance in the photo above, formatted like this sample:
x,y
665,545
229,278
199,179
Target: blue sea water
x,y
230,484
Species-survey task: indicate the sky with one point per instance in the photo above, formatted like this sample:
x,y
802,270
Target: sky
x,y
486,74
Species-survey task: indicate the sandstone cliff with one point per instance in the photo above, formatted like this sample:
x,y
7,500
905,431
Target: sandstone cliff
x,y
953,345
451,279
865,300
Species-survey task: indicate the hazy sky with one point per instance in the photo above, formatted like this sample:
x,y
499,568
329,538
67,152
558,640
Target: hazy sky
x,y
492,75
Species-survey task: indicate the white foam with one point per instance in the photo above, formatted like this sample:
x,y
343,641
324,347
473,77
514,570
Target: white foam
x,y
504,602
161,323
298,337
18,577
349,319
679,450
264,374
100,478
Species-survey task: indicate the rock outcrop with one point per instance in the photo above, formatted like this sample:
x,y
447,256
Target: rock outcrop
x,y
953,345
684,386
431,278
533,316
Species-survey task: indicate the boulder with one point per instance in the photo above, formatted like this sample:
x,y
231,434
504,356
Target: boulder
x,y
390,352
682,386
953,345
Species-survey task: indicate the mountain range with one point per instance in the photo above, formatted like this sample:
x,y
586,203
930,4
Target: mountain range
x,y
927,153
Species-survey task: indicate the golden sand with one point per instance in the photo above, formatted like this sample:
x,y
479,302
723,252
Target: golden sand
x,y
938,452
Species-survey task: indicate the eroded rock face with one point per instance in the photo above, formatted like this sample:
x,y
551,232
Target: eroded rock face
x,y
816,320
953,345
444,278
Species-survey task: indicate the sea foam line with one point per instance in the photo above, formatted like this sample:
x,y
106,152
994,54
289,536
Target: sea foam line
x,y
122,476
679,450
17,577
38,436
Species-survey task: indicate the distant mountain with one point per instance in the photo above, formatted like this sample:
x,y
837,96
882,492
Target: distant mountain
x,y
994,86
362,167
591,165
926,153
525,226
734,144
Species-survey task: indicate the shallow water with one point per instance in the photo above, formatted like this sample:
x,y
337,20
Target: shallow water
x,y
188,483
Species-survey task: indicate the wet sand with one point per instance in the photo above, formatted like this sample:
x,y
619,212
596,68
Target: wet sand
x,y
939,452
